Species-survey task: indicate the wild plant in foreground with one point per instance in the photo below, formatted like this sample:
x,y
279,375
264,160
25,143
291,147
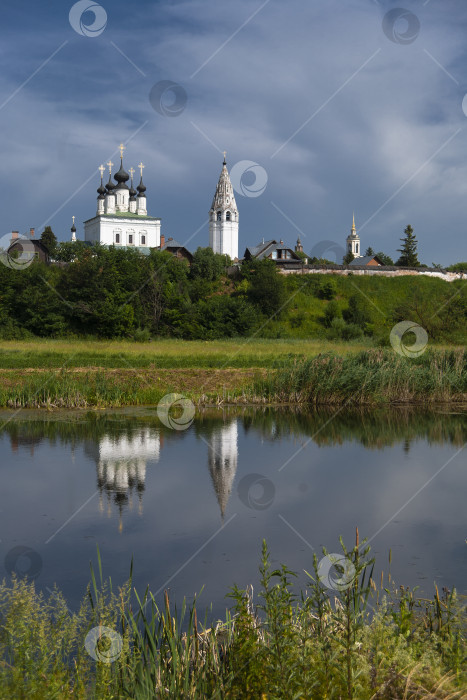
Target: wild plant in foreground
x,y
352,640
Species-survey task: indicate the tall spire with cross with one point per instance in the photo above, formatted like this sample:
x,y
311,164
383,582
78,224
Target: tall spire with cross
x,y
132,192
141,206
73,231
223,217
353,241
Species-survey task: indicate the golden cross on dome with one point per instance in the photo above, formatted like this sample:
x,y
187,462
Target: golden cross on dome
x,y
109,163
122,148
131,171
141,166
225,154
102,169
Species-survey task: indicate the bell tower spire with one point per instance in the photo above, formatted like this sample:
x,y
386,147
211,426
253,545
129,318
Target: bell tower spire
x,y
353,241
223,217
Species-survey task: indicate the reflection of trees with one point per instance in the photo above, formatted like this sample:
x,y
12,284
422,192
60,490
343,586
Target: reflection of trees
x,y
373,428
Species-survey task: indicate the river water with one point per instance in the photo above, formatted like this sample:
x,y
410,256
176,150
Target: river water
x,y
192,506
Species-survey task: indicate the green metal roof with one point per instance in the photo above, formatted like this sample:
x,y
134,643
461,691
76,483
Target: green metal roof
x,y
124,215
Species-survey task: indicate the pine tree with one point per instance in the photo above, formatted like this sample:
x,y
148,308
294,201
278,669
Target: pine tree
x,y
408,250
348,258
49,239
385,259
369,251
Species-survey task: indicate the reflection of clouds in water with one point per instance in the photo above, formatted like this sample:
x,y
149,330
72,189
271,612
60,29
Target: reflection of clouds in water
x,y
121,467
222,460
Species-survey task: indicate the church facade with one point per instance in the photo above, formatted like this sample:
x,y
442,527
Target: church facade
x,y
122,217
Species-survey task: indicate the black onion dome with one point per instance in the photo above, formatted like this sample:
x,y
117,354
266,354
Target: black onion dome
x,y
110,186
132,191
141,188
73,228
101,191
121,176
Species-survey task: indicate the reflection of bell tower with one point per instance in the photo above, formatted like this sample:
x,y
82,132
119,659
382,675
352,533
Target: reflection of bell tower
x,y
121,468
223,457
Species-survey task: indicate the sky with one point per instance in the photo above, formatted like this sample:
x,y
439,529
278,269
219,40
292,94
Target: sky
x,y
324,107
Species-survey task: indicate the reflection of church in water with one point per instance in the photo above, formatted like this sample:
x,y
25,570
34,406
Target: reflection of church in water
x,y
121,464
121,467
223,457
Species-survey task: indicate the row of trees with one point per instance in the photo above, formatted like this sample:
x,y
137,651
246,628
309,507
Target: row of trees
x,y
113,292
408,251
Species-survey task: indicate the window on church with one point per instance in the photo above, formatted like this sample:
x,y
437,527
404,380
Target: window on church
x,y
227,216
143,240
130,239
356,248
117,238
219,216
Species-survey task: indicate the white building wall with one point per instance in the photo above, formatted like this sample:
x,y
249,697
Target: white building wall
x,y
223,237
104,229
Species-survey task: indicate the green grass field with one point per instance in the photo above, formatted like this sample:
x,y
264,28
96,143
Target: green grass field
x,y
167,353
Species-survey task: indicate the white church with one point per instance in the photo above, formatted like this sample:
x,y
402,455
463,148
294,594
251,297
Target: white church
x,y
122,217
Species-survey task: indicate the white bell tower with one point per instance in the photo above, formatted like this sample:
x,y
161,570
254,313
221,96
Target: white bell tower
x,y
353,242
223,217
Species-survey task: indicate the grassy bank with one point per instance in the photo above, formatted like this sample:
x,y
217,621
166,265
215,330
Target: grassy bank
x,y
367,640
362,378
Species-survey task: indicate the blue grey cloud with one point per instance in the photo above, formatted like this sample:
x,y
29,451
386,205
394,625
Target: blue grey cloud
x,y
341,117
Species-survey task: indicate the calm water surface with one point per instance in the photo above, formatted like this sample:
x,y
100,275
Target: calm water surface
x,y
193,506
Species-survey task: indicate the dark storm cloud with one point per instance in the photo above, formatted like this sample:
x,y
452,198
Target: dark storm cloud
x,y
340,116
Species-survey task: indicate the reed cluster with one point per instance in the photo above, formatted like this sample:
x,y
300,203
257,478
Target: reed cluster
x,y
370,377
362,641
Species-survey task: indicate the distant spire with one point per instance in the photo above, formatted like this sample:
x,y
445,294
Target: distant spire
x,y
225,156
73,231
353,224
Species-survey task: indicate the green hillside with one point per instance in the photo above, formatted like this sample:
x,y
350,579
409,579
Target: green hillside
x,y
112,293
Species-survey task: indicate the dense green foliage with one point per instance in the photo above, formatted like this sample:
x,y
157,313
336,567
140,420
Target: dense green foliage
x,y
361,641
115,293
